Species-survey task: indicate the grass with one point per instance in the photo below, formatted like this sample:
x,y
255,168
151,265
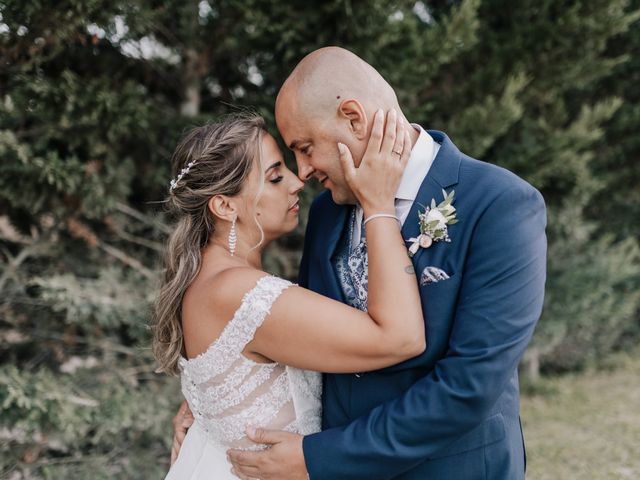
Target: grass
x,y
585,426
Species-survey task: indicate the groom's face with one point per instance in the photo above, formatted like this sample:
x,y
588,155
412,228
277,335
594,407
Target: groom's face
x,y
315,146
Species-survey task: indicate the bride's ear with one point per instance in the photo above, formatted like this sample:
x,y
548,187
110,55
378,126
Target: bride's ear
x,y
353,110
222,207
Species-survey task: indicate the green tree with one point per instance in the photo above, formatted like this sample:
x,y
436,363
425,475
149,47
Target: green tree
x,y
526,97
94,95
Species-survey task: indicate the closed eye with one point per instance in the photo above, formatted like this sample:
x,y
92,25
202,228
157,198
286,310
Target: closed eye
x,y
274,168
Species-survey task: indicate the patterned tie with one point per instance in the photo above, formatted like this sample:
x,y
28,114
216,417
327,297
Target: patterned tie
x,y
358,265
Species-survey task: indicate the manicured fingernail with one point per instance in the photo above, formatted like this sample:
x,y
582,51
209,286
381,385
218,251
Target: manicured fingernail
x,y
251,431
341,148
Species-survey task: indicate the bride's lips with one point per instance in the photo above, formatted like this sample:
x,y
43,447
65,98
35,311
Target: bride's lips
x,y
295,208
324,180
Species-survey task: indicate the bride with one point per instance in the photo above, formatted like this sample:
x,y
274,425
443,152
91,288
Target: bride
x,y
245,343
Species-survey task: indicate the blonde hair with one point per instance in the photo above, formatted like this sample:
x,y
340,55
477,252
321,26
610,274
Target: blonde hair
x,y
222,156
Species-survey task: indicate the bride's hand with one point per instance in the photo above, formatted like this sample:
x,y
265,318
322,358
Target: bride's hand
x,y
376,181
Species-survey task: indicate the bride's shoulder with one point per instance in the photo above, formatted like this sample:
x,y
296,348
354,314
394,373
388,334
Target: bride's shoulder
x,y
229,286
212,301
220,295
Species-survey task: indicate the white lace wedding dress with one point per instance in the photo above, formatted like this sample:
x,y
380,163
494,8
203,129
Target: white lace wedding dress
x,y
226,392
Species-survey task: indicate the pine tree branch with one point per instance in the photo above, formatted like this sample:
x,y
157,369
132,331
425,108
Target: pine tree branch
x,y
78,229
146,219
156,246
127,260
34,249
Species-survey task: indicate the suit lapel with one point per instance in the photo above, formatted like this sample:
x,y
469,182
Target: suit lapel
x,y
443,174
335,228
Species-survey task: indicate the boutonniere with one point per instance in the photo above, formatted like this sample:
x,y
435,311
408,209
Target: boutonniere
x,y
433,223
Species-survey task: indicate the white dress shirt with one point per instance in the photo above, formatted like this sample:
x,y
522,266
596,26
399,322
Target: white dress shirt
x,y
423,153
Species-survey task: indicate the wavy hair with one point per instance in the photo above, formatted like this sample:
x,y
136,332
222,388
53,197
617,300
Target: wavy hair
x,y
221,157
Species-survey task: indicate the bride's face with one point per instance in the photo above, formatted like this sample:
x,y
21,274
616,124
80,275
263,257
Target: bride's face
x,y
277,209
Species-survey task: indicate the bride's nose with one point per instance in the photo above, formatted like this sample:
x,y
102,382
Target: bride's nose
x,y
296,184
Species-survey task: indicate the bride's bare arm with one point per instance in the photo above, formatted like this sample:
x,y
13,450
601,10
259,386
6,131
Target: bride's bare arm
x,y
308,330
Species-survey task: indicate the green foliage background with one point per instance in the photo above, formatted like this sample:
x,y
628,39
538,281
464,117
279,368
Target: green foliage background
x,y
95,94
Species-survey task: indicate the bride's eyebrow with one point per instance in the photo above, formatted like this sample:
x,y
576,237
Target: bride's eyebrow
x,y
277,164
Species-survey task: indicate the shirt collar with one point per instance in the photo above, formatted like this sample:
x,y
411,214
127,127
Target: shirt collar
x,y
422,156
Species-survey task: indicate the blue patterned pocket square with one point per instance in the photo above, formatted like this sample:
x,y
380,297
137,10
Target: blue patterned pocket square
x,y
432,275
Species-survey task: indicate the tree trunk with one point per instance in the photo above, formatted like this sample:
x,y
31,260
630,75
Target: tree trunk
x,y
192,83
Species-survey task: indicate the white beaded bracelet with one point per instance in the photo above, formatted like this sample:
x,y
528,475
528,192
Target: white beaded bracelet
x,y
380,215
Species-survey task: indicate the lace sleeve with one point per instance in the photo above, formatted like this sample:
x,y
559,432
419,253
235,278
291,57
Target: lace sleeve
x,y
254,308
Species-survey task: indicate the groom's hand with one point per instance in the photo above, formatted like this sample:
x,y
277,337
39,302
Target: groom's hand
x,y
181,423
284,460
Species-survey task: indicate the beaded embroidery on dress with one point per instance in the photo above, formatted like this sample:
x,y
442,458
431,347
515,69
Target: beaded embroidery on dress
x,y
227,391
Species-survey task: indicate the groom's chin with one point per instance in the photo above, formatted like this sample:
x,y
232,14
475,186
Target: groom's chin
x,y
341,198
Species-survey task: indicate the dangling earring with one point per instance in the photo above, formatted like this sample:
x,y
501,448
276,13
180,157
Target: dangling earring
x,y
233,237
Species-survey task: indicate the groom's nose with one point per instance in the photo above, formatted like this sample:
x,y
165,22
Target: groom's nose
x,y
305,171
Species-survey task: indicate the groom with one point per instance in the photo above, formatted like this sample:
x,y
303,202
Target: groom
x,y
452,412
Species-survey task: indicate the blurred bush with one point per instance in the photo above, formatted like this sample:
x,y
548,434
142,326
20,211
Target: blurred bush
x,y
95,94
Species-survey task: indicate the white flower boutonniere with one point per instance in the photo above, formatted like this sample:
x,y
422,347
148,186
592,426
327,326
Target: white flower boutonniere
x,y
433,223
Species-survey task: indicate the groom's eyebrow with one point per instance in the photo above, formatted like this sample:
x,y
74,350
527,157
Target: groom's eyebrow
x,y
293,145
277,164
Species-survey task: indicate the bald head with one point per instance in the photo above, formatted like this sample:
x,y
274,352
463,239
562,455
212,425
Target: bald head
x,y
329,98
328,76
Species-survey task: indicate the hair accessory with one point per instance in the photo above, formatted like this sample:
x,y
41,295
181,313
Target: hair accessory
x,y
174,183
233,238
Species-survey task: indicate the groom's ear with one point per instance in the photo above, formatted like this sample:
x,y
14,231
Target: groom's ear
x,y
353,111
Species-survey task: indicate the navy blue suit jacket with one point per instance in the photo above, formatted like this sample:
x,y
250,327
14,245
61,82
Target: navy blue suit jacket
x,y
452,412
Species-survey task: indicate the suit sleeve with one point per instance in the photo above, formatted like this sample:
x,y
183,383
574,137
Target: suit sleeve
x,y
500,302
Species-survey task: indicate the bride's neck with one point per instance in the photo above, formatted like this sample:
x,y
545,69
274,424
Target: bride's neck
x,y
244,255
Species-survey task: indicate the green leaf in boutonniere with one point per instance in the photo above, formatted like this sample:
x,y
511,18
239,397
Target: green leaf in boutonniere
x,y
433,223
